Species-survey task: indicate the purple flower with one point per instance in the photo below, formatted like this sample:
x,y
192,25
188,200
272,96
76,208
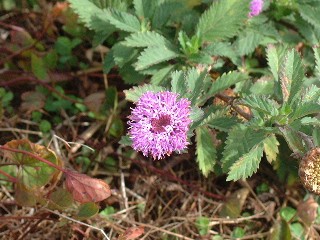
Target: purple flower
x,y
159,124
255,7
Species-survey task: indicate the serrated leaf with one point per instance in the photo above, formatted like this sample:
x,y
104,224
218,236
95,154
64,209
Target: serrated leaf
x,y
273,61
219,119
178,83
206,151
198,85
154,55
248,41
293,139
223,19
86,10
240,141
38,67
196,117
224,49
123,21
310,14
145,39
133,94
247,164
144,8
304,110
226,80
123,54
316,51
291,76
163,13
261,104
271,149
161,77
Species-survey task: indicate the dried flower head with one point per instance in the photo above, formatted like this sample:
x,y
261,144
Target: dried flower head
x,y
309,170
255,7
159,124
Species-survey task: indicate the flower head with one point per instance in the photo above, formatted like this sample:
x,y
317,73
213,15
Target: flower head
x,y
255,7
159,124
309,170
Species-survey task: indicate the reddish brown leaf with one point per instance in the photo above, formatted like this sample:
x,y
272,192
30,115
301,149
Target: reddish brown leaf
x,y
32,101
86,189
307,211
131,233
94,101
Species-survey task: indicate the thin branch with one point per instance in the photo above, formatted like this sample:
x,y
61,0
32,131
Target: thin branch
x,y
33,156
82,223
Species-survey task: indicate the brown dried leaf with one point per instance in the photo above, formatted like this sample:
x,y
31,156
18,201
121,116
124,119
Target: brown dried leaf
x,y
32,101
94,101
86,189
307,211
234,203
132,233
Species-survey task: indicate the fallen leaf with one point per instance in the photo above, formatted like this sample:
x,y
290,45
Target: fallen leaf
x,y
132,233
234,203
86,189
307,211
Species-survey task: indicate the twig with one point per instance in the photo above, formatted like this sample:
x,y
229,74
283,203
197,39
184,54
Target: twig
x,y
10,178
33,156
230,101
79,222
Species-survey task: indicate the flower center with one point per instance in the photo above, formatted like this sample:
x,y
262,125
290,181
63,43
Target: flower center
x,y
158,125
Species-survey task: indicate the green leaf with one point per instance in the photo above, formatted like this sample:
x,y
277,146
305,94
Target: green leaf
x,y
304,110
206,151
261,104
145,39
247,164
271,149
227,80
33,173
223,19
224,49
160,77
202,224
87,210
38,67
123,54
60,199
178,83
219,119
154,55
248,41
135,93
310,14
240,141
86,10
280,231
123,21
293,139
196,117
163,12
144,8
291,76
316,51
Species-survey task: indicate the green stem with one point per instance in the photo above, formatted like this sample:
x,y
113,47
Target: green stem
x,y
33,156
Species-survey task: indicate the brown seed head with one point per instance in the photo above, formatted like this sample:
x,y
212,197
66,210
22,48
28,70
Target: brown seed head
x,y
309,171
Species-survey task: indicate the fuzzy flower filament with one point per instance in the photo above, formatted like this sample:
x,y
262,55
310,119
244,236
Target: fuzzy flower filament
x,y
255,7
159,124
